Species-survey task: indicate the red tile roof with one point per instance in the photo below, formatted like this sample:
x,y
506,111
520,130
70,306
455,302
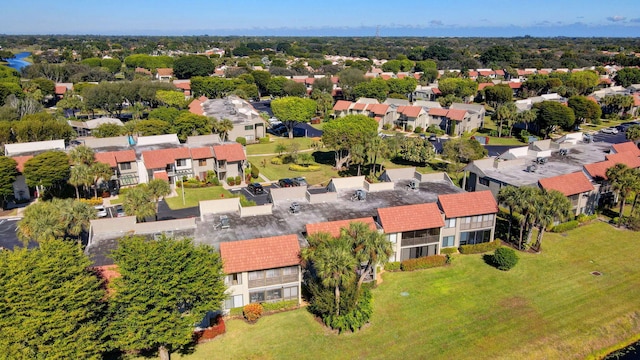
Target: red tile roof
x,y
183,85
468,204
342,105
473,73
309,81
159,159
229,152
599,170
21,160
114,157
411,111
164,71
438,112
201,153
106,158
410,217
385,76
515,85
161,175
456,114
379,109
335,79
499,72
436,91
260,254
484,85
626,158
301,81
636,99
195,107
486,72
61,89
402,76
142,70
417,75
333,227
359,106
125,156
568,184
628,146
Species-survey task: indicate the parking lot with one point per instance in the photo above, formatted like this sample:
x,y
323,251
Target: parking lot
x,y
8,235
260,199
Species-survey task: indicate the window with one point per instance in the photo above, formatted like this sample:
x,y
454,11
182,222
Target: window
x,y
272,273
256,296
255,275
181,162
448,241
202,162
248,127
484,181
125,166
418,251
393,238
475,237
290,293
450,223
233,279
234,301
275,294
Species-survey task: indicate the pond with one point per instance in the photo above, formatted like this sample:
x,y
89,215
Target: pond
x,y
18,62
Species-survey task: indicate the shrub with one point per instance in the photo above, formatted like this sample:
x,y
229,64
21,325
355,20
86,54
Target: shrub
x,y
386,127
246,203
264,140
252,312
355,318
505,258
238,180
93,201
276,161
309,168
583,218
448,251
392,266
241,140
425,262
236,312
569,225
231,181
480,248
409,128
418,130
435,129
280,305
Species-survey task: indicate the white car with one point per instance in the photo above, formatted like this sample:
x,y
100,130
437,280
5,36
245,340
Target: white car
x,y
102,212
609,130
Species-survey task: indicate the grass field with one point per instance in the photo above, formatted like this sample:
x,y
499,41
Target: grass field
x,y
270,148
276,172
193,195
548,307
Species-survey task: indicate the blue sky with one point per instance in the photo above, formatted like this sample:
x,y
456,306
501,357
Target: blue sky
x,y
325,17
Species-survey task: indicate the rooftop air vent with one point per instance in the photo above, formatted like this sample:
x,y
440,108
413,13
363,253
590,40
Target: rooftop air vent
x,y
359,195
532,168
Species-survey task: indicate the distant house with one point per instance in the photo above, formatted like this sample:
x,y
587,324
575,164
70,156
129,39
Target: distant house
x,y
124,165
229,160
458,119
247,122
164,74
85,128
262,270
203,161
184,85
577,188
411,117
169,164
20,188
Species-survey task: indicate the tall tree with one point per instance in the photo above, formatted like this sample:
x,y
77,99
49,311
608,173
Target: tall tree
x,y
460,151
100,172
222,127
623,180
80,175
55,219
158,189
53,305
137,201
47,170
553,115
335,265
342,134
510,196
82,155
8,175
498,95
166,286
505,113
633,133
370,247
585,109
293,110
189,66
550,206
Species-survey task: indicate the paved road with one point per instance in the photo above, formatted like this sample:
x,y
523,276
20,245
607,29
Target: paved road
x,y
8,236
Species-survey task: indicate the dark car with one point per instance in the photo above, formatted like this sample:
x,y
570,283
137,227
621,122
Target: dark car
x,y
255,188
285,182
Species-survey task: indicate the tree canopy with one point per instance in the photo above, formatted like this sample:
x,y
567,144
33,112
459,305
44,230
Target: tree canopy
x,y
53,305
8,175
552,115
585,109
48,169
293,110
343,134
166,286
189,66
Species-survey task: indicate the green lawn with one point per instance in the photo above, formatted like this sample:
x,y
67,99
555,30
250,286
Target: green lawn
x,y
276,172
548,307
270,148
193,195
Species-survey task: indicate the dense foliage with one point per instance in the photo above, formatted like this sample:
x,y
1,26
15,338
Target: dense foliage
x,y
505,258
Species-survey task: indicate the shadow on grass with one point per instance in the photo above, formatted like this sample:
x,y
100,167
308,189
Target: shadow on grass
x,y
324,157
488,259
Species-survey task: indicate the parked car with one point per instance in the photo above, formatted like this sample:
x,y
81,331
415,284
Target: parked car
x,y
433,137
285,182
299,181
120,211
255,188
102,212
609,130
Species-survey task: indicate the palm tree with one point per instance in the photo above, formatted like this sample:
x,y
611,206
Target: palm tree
x,y
158,189
100,171
80,175
137,201
623,181
528,197
370,247
41,222
77,216
503,113
335,265
633,133
82,155
527,117
510,196
551,206
376,148
358,155
223,127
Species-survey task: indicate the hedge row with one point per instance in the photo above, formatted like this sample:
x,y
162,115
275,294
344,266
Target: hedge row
x,y
268,307
569,225
480,248
425,262
392,266
310,168
448,251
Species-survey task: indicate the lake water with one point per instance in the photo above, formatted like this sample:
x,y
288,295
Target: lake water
x,y
18,62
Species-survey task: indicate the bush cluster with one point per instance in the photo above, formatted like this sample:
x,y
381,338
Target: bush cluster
x,y
241,140
583,218
418,130
255,171
277,160
480,248
355,318
93,201
392,266
448,251
300,168
280,305
264,140
252,312
505,258
569,225
425,262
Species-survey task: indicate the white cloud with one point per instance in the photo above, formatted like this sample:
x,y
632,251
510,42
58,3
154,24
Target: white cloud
x,y
616,18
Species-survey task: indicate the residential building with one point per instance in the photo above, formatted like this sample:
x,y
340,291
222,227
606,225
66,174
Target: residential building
x,y
577,188
203,161
168,164
85,128
469,218
124,165
164,74
262,270
247,122
230,160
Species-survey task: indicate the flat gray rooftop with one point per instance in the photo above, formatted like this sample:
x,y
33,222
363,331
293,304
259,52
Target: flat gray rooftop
x,y
556,165
282,222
